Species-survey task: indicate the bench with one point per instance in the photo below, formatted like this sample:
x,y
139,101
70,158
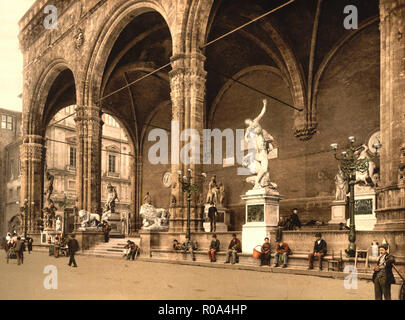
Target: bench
x,y
297,259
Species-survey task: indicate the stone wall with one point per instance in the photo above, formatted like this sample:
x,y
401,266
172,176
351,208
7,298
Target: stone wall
x,y
299,241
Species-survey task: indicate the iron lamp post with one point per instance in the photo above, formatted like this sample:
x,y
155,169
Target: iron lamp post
x,y
188,188
350,163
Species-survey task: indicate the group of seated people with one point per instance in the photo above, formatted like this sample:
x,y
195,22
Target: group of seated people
x,y
234,248
281,253
131,250
60,246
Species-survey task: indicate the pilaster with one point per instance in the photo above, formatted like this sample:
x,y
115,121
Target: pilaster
x,y
32,153
88,172
391,194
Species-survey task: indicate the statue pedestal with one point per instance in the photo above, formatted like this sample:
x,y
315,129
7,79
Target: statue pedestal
x,y
338,212
262,215
223,219
116,225
364,203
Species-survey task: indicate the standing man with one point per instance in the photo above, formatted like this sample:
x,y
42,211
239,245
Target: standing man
x,y
212,214
383,277
214,248
106,230
233,249
73,246
19,247
320,249
29,244
295,220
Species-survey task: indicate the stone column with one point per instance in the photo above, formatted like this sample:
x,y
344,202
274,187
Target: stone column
x,y
391,193
187,80
136,192
88,171
32,153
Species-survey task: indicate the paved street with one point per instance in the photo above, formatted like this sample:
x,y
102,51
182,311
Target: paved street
x,y
104,278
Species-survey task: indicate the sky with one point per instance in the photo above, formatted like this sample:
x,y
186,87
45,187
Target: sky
x,y
11,59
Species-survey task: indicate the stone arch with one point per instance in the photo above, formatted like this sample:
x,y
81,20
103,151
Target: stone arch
x,y
113,26
230,83
41,93
328,58
194,26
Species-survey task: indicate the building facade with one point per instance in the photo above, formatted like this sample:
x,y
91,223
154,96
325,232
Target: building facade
x,y
340,82
10,192
61,162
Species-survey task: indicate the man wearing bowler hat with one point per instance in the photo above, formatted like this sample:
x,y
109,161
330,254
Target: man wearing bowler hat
x,y
383,277
320,249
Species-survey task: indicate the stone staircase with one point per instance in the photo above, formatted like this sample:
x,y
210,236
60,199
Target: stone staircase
x,y
113,249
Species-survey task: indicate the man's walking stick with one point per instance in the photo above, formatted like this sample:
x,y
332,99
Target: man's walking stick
x,y
402,290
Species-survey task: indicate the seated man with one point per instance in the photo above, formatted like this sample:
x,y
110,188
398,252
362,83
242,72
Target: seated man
x,y
214,248
188,246
266,253
295,220
234,247
282,225
320,249
282,250
127,248
176,245
133,249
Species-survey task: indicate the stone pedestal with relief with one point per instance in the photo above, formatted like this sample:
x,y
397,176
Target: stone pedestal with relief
x,y
262,216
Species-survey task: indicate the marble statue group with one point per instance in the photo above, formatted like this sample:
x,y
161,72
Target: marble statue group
x,y
260,145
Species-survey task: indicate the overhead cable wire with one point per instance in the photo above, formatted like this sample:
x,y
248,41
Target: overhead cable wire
x,y
206,45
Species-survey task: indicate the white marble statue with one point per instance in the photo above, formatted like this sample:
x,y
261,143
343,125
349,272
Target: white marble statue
x,y
213,190
341,186
154,218
257,158
112,195
58,224
88,219
124,222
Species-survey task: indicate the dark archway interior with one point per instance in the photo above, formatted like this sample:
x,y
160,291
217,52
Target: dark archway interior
x,y
144,45
61,95
348,90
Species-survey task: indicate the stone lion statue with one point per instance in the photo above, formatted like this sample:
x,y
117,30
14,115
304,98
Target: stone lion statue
x,y
88,219
154,218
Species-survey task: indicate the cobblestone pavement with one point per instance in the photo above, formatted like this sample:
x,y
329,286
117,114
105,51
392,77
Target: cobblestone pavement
x,y
104,278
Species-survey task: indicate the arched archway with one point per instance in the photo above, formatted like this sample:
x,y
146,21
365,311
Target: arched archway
x,y
113,28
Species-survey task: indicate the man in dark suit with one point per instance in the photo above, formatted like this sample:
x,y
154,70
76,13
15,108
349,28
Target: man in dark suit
x,y
106,230
383,277
295,220
212,215
320,249
234,248
19,250
73,246
214,248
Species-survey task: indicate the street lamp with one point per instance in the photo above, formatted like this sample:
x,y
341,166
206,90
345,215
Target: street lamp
x,y
188,187
350,163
